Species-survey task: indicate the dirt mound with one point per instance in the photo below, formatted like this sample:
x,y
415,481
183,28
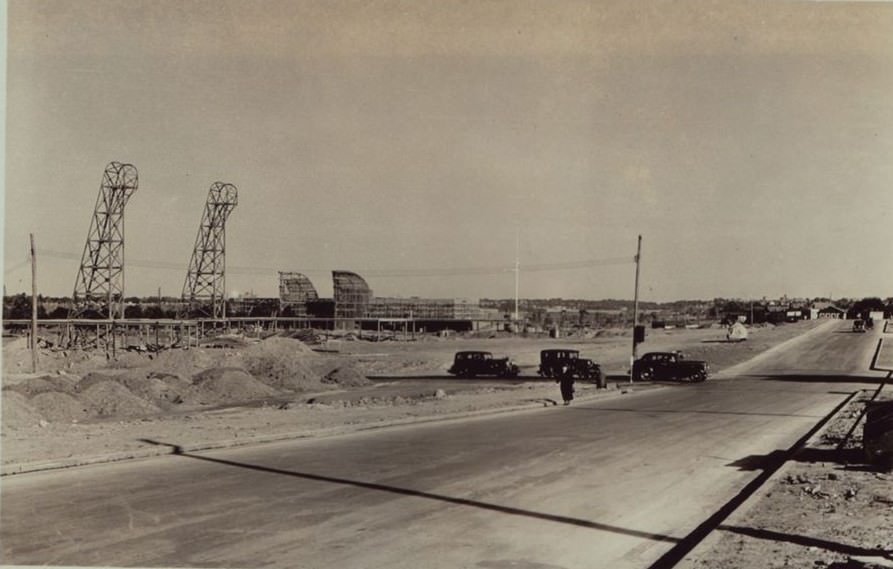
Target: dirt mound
x,y
281,363
228,385
56,406
188,362
158,389
305,335
144,384
44,384
111,399
16,412
162,389
346,376
280,345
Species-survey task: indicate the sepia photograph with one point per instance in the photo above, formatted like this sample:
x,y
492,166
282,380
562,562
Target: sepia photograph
x,y
482,284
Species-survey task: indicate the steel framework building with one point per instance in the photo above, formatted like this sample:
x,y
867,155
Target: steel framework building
x,y
204,291
99,285
425,308
352,295
295,291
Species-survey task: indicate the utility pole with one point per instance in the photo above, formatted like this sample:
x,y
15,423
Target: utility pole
x,y
33,306
635,307
517,271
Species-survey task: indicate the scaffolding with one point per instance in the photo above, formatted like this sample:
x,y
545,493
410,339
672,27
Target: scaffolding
x,y
352,295
425,308
295,291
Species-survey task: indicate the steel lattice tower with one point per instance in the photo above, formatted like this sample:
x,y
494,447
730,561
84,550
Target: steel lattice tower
x,y
205,288
99,285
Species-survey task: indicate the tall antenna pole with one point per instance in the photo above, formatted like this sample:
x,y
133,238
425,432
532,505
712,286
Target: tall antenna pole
x,y
33,306
636,306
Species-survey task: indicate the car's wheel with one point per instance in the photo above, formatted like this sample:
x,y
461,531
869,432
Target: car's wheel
x,y
646,374
699,376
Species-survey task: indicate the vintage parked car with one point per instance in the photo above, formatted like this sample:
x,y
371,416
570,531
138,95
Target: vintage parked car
x,y
858,325
669,366
551,362
473,363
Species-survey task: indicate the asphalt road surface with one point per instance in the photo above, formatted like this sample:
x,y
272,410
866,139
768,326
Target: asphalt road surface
x,y
619,482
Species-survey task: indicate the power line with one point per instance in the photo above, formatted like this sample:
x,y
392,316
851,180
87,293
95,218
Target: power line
x,y
386,273
17,266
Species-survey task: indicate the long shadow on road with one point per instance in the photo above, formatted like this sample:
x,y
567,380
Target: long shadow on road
x,y
177,450
769,464
691,411
817,378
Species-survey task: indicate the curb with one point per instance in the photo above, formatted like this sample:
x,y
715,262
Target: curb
x,y
163,450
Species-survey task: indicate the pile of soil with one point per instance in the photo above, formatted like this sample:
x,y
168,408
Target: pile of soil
x,y
223,385
280,362
346,375
143,384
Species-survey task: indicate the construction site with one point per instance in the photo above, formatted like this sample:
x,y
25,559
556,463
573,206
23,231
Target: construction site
x,y
96,315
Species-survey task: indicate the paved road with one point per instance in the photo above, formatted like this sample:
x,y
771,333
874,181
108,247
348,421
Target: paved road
x,y
613,483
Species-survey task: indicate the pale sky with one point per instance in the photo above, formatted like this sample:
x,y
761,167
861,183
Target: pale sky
x,y
749,143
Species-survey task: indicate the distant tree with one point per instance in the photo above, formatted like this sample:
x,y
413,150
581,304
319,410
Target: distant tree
x,y
866,305
59,313
133,311
18,307
153,311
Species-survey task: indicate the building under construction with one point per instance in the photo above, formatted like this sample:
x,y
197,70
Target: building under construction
x,y
354,305
296,293
425,308
352,295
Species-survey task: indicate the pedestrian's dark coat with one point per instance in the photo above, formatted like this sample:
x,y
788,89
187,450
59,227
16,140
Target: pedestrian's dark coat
x,y
566,382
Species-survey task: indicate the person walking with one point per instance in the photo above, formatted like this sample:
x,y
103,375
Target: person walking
x,y
566,383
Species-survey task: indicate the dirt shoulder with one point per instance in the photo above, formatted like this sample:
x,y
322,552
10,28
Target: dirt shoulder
x,y
825,507
83,408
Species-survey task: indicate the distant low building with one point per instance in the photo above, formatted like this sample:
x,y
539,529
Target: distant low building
x,y
832,311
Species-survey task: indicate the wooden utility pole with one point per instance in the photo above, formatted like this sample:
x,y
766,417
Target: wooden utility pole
x,y
517,272
33,306
635,307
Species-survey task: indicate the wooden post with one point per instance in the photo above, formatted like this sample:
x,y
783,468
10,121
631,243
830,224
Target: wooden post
x,y
635,307
33,307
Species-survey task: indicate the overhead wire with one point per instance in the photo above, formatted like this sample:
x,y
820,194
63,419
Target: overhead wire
x,y
386,273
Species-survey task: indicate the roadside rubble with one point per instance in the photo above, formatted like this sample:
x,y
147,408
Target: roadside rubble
x,y
827,507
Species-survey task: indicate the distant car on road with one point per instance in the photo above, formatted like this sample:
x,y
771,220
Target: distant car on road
x,y
858,325
669,366
473,363
551,362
